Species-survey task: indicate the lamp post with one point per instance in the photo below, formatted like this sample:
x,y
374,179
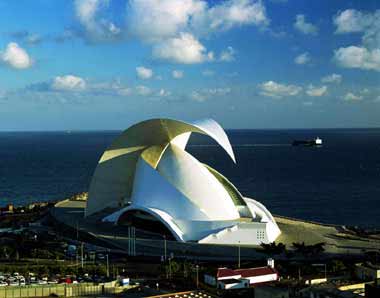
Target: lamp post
x,y
165,248
197,270
239,254
108,266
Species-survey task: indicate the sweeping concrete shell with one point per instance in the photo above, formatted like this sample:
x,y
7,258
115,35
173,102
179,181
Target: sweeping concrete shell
x,y
147,169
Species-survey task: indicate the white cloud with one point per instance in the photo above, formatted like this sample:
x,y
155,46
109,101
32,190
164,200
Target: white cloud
x,y
197,96
277,90
351,20
124,91
303,58
332,78
316,91
16,57
184,49
228,14
68,83
96,29
203,95
367,55
358,57
304,27
144,73
143,90
177,74
154,20
163,93
352,97
227,55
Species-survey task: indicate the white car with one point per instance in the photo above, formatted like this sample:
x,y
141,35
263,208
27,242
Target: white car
x,y
14,283
3,284
42,282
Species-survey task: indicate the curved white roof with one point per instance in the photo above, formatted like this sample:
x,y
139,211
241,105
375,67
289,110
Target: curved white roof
x,y
112,182
148,167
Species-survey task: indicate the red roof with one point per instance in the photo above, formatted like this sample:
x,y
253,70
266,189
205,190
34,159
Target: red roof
x,y
225,272
249,272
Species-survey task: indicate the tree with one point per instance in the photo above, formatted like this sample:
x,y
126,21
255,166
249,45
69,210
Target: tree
x,y
273,248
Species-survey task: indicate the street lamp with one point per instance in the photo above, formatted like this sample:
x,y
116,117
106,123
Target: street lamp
x,y
164,247
239,254
108,266
197,267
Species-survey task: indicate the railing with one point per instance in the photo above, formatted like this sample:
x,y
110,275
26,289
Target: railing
x,y
61,290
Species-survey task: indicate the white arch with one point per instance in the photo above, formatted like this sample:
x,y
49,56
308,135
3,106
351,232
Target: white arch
x,y
160,215
112,182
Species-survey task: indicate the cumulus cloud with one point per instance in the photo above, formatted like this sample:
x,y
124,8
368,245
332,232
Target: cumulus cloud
x,y
227,55
332,78
352,20
367,55
163,93
316,91
144,73
358,57
27,37
205,94
184,49
352,97
174,27
16,57
229,14
303,58
177,74
95,27
303,26
68,83
278,90
154,20
143,90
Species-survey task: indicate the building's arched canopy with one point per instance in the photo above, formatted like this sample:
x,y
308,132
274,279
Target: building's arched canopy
x,y
112,183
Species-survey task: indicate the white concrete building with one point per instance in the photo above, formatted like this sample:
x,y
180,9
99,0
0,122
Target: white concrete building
x,y
148,173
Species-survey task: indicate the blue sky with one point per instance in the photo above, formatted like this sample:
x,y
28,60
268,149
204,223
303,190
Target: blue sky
x,y
105,64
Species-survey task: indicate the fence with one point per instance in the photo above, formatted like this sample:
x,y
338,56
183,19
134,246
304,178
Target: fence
x,y
61,290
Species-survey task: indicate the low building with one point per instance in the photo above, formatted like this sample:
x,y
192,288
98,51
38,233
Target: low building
x,y
226,278
324,291
7,209
233,284
367,271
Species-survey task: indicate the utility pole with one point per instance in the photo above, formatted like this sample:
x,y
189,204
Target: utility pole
x,y
77,226
197,268
81,254
239,254
165,248
108,266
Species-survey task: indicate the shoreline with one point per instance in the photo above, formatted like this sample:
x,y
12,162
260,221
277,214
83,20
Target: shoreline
x,y
83,196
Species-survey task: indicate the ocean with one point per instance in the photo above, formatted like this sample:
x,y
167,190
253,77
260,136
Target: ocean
x,y
337,183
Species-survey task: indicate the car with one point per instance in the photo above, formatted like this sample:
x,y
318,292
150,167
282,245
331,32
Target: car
x,y
42,282
14,283
3,284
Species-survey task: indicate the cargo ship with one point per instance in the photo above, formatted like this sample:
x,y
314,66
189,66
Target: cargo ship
x,y
316,142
